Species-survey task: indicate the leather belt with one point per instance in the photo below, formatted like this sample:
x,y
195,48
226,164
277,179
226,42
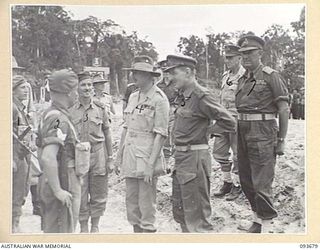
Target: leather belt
x,y
256,117
192,147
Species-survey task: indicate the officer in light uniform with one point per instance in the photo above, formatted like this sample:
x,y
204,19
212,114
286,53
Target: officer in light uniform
x,y
140,154
223,142
261,96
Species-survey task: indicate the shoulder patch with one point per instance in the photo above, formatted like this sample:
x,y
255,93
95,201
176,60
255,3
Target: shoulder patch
x,y
268,70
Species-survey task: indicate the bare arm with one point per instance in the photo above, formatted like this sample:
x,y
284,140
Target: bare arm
x,y
50,169
108,141
157,147
283,108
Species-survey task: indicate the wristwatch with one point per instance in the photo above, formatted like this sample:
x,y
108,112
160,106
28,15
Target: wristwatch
x,y
280,139
110,158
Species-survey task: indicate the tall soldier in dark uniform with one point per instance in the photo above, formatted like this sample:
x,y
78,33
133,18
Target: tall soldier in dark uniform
x,y
59,185
191,175
261,95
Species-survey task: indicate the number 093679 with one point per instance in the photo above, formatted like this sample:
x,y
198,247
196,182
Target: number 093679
x,y
309,246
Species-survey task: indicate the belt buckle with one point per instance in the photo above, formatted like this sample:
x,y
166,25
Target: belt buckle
x,y
188,147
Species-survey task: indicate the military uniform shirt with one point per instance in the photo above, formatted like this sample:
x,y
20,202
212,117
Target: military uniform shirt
x,y
169,90
55,128
259,91
145,116
105,100
229,88
194,114
90,123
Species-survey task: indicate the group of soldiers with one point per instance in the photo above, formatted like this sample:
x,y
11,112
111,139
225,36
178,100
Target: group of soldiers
x,y
176,116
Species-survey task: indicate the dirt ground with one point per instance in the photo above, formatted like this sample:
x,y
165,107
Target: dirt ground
x,y
289,195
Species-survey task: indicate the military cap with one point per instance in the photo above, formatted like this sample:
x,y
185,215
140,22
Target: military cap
x,y
175,61
250,42
144,64
231,50
17,81
84,75
163,64
63,81
99,79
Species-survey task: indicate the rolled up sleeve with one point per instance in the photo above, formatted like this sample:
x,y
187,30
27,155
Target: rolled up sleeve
x,y
55,132
278,88
161,118
215,111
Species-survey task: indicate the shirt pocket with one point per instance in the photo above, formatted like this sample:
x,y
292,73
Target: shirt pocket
x,y
95,125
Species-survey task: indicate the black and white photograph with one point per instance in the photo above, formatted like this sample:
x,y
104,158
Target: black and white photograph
x,y
158,119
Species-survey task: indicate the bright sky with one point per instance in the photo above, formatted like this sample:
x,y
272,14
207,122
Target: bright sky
x,y
163,25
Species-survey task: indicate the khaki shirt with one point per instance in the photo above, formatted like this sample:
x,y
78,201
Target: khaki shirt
x,y
106,101
229,88
194,114
90,122
145,116
259,91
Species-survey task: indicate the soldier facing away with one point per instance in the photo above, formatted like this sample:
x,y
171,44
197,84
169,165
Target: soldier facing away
x,y
59,185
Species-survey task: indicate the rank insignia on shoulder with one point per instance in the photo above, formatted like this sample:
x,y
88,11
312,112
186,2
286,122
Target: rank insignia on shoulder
x,y
268,70
61,135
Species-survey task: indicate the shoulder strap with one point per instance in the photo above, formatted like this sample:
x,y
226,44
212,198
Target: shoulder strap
x,y
268,70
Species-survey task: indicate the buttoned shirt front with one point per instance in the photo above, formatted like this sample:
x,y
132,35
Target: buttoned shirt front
x,y
90,122
229,88
193,116
259,91
145,116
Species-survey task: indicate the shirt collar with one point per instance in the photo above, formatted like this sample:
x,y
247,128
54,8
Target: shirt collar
x,y
150,92
188,91
79,104
255,71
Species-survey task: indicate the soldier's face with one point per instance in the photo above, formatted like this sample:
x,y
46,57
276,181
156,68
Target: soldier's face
x,y
180,76
21,92
167,77
85,88
251,59
141,79
232,61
